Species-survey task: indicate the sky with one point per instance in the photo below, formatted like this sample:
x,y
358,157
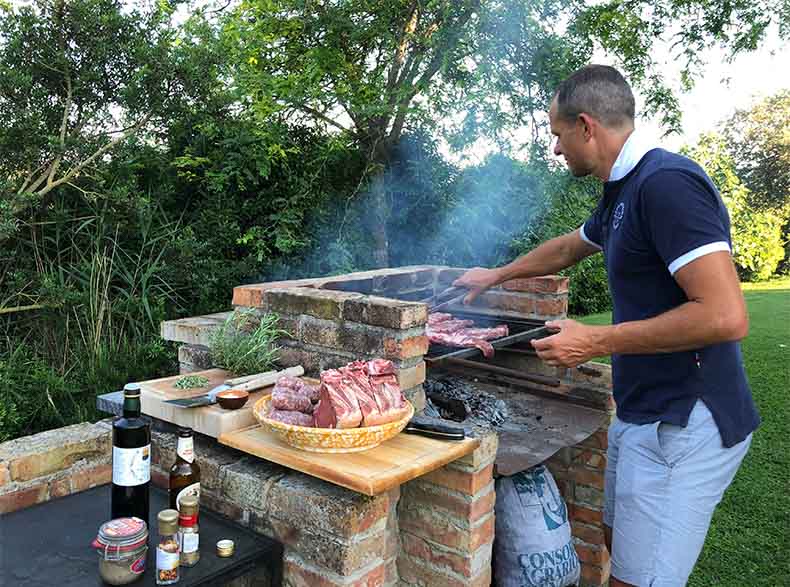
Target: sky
x,y
722,88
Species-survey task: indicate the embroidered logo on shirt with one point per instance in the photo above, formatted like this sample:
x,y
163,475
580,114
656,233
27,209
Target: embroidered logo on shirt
x,y
619,212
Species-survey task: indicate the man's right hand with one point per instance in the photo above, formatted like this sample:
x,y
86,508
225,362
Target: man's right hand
x,y
477,281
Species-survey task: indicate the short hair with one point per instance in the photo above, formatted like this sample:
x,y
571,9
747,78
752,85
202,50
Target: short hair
x,y
598,90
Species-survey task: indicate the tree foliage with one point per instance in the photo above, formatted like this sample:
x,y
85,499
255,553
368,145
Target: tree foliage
x,y
370,70
76,79
758,140
758,244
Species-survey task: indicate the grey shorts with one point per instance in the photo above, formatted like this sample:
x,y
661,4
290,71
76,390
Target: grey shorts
x,y
662,484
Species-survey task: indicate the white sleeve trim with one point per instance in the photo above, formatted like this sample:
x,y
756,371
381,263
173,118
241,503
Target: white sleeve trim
x,y
586,239
684,260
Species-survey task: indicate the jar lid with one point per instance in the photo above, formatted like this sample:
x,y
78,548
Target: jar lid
x,y
189,504
168,521
225,548
121,535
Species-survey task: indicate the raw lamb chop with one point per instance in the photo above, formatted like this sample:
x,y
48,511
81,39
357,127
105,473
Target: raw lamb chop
x,y
450,325
338,406
458,339
436,317
380,367
293,418
289,399
389,397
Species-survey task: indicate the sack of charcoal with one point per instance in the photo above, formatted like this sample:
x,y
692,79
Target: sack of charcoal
x,y
533,546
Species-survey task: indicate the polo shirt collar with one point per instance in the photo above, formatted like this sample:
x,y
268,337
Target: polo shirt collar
x,y
636,146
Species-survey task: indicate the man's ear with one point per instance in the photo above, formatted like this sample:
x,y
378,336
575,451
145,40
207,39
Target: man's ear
x,y
587,124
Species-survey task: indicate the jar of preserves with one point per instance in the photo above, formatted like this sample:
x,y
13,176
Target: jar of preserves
x,y
122,545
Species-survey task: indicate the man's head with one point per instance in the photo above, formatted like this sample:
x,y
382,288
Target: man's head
x,y
591,115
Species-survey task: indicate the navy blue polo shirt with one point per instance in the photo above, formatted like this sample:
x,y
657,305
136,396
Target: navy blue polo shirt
x,y
663,214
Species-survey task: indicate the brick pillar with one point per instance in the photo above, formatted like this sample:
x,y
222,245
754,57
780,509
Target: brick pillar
x,y
579,472
446,521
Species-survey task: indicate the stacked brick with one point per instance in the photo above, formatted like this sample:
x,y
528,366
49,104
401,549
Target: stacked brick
x,y
53,464
446,521
539,298
328,328
332,537
579,472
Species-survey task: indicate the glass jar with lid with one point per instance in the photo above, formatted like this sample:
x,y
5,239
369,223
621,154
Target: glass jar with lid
x,y
122,545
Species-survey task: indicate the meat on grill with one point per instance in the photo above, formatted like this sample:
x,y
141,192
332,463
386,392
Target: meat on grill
x,y
436,317
338,406
374,387
443,329
293,418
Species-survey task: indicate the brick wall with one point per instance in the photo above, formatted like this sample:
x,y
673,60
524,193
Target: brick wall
x,y
52,464
446,521
335,537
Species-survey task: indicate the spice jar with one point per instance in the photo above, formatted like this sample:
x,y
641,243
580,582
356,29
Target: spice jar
x,y
167,551
122,545
188,531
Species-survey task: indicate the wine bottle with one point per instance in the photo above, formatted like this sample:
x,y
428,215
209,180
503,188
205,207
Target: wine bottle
x,y
131,459
185,472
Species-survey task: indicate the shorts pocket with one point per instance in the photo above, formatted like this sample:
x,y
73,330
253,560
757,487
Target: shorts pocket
x,y
674,442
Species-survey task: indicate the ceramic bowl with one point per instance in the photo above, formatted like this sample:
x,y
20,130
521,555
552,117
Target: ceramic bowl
x,y
232,399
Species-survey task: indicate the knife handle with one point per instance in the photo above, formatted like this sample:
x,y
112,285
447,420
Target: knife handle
x,y
437,431
270,378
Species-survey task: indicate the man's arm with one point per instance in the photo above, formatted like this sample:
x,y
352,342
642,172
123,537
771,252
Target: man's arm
x,y
550,257
715,312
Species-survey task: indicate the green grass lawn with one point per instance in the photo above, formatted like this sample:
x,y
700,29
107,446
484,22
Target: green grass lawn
x,y
749,540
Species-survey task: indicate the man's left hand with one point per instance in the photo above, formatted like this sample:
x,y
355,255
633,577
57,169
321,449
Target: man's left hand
x,y
574,344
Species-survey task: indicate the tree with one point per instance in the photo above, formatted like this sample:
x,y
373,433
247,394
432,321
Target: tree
x,y
758,139
77,78
756,230
370,69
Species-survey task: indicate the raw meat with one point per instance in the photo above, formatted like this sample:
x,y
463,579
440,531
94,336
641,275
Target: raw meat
x,y
288,382
338,406
379,403
389,396
297,386
293,418
458,333
436,317
380,367
289,399
459,340
451,325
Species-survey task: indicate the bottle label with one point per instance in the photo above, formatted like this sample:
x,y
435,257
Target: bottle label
x,y
131,466
167,561
193,489
190,542
186,449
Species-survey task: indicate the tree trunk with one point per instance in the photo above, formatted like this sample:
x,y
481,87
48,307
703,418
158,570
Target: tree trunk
x,y
378,204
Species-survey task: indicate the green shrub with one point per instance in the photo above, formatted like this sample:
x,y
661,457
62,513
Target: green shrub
x,y
569,203
245,342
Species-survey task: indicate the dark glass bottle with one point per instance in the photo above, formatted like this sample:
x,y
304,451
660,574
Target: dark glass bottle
x,y
131,459
185,472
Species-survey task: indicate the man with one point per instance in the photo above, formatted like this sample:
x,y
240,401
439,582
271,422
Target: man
x,y
685,414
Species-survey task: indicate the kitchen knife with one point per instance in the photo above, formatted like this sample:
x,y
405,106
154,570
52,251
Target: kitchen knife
x,y
433,428
263,380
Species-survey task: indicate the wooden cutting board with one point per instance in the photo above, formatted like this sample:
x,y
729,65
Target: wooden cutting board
x,y
392,463
209,420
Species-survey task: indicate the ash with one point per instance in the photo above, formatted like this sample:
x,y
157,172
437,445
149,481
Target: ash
x,y
483,407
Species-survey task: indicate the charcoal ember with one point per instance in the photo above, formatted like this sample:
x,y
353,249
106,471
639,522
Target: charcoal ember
x,y
484,408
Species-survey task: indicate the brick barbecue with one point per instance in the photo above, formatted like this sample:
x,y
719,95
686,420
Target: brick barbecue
x,y
436,530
